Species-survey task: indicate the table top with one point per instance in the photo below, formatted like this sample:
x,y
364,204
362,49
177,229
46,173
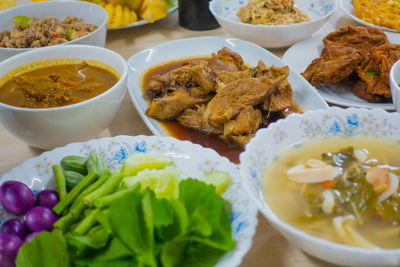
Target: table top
x,y
269,247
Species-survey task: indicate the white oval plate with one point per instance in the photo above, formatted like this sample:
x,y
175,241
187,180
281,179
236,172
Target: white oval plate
x,y
300,55
303,93
347,6
190,158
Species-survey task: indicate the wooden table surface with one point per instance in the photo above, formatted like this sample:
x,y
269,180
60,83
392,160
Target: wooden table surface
x,y
269,248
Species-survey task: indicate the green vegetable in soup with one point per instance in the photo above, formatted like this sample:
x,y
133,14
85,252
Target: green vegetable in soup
x,y
389,209
344,158
23,21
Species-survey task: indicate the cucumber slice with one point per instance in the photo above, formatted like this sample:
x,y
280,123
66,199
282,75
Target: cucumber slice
x,y
137,162
221,180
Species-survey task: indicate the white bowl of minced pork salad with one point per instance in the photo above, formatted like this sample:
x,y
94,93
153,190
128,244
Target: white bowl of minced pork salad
x,y
43,24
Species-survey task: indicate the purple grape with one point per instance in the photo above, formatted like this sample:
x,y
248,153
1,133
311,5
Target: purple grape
x,y
47,198
40,218
30,236
9,246
16,197
14,226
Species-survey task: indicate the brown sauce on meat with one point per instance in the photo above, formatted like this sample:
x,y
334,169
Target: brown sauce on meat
x,y
56,86
174,129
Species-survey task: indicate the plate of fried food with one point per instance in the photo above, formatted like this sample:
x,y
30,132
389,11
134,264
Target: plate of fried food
x,y
381,14
215,91
350,66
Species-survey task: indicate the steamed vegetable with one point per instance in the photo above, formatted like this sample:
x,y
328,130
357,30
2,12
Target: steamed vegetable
x,y
16,197
60,181
72,178
9,246
15,227
47,198
39,219
74,163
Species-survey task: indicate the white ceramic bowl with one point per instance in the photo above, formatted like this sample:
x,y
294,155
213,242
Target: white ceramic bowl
x,y
273,36
295,129
51,127
394,84
191,159
303,93
89,12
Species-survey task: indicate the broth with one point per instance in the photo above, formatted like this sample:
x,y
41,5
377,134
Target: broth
x,y
287,198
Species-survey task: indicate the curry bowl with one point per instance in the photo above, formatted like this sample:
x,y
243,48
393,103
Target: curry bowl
x,y
273,36
395,84
55,126
144,64
88,12
286,142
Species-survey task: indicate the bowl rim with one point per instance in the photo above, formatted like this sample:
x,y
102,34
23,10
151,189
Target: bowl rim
x,y
396,65
268,213
42,50
211,8
45,3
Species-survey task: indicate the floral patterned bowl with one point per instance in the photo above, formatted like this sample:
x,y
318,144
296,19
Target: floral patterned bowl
x,y
292,131
191,159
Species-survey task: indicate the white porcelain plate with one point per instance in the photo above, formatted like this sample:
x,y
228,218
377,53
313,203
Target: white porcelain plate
x,y
191,159
347,6
303,93
300,55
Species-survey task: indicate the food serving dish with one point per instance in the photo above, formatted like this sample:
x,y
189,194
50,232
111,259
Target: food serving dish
x,y
273,36
144,22
303,93
395,85
300,55
89,12
317,125
189,158
51,127
347,6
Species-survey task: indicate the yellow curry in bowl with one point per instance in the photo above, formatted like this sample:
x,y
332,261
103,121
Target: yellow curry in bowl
x,y
56,82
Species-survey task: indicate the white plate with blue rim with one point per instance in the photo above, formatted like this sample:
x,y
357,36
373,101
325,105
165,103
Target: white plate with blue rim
x,y
347,6
300,55
191,159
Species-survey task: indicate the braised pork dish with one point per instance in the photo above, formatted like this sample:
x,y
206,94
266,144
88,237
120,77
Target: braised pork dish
x,y
219,96
359,56
36,32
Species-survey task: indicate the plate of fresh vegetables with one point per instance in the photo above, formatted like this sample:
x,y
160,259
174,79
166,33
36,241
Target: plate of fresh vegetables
x,y
125,201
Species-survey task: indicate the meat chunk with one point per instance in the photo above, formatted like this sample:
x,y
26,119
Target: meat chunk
x,y
280,99
226,60
335,64
195,118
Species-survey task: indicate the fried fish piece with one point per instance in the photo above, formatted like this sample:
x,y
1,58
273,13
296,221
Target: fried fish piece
x,y
375,69
361,38
335,64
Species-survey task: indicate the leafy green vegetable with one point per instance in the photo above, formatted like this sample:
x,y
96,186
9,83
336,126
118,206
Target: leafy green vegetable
x,y
344,158
389,209
313,200
23,21
95,163
45,249
356,197
164,182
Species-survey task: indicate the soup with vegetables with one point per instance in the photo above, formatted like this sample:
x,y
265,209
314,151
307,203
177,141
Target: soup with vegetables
x,y
345,190
57,85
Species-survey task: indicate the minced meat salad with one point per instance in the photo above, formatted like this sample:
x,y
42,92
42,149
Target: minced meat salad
x,y
36,32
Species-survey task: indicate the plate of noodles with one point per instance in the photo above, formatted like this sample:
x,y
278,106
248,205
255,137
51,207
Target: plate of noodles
x,y
381,14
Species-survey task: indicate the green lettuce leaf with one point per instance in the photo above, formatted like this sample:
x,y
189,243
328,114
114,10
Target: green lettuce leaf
x,y
45,249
